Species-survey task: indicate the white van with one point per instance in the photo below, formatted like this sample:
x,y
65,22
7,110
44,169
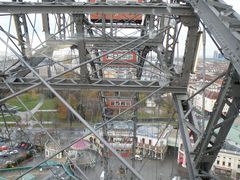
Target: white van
x,y
102,175
138,157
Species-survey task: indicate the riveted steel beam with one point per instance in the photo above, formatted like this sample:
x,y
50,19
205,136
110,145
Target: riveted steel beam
x,y
97,84
217,25
81,8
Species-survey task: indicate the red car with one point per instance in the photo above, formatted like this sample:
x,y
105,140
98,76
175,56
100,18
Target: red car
x,y
3,148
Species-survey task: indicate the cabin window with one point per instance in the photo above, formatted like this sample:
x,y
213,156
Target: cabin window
x,y
150,142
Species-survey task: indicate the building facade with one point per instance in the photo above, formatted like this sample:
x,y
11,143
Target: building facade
x,y
227,164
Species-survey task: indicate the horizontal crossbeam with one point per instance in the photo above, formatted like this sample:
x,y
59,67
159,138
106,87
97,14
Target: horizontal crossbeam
x,y
97,84
82,8
103,43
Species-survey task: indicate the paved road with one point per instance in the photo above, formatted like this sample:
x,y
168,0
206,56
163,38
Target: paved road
x,y
149,169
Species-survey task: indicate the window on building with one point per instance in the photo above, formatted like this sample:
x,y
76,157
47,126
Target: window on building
x,y
229,164
223,163
181,147
150,142
217,161
238,166
91,139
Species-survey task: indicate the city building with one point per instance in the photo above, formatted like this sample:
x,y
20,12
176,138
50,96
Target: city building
x,y
152,141
218,56
227,164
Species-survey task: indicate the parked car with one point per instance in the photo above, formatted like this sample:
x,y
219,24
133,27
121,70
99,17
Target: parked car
x,y
3,148
13,152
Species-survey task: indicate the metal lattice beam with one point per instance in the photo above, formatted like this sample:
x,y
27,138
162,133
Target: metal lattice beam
x,y
80,8
187,125
101,42
22,34
223,24
190,48
96,84
219,123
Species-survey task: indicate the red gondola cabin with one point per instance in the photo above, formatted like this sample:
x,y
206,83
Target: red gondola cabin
x,y
137,18
129,57
119,103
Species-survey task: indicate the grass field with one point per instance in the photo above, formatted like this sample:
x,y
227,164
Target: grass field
x,y
10,119
28,99
31,100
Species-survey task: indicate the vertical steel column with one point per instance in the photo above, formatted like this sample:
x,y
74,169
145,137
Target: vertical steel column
x,y
79,20
204,76
105,152
134,138
184,110
61,24
22,34
93,66
190,48
149,24
219,123
170,43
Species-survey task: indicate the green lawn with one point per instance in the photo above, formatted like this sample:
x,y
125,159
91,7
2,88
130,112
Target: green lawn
x,y
31,101
9,118
28,99
46,116
49,104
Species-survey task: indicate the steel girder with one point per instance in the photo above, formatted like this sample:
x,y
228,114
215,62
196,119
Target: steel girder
x,y
61,24
189,129
105,153
190,49
81,8
170,44
223,23
45,24
146,49
219,123
97,84
22,34
101,42
79,21
201,148
96,73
